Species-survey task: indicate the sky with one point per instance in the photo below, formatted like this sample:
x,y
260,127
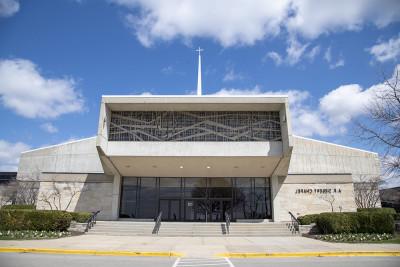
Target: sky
x,y
58,57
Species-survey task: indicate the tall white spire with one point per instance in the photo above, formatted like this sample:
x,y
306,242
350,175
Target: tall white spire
x,y
199,73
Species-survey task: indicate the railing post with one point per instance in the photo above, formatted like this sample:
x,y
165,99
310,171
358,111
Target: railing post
x,y
157,224
295,223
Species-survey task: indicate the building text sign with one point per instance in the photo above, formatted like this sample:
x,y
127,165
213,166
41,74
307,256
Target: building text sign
x,y
318,191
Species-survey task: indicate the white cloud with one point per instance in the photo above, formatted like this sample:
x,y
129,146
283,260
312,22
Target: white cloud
x,y
24,90
275,57
146,93
228,22
243,22
344,103
328,58
385,51
8,7
49,127
314,17
295,52
167,70
313,52
232,75
10,153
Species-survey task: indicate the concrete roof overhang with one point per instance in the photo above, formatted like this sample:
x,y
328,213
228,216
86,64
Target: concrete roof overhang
x,y
195,103
192,159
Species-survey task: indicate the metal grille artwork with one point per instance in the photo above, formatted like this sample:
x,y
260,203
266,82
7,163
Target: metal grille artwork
x,y
194,126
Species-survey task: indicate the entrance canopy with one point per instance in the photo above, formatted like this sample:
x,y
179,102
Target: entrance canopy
x,y
193,136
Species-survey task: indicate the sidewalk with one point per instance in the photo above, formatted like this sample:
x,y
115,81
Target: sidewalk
x,y
196,246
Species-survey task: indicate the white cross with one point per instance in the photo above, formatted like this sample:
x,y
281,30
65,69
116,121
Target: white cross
x,y
199,50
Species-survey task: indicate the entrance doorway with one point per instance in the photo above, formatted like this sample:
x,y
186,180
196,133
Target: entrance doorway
x,y
207,210
171,210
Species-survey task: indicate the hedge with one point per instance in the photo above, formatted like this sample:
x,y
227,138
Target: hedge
x,y
307,219
80,217
40,220
19,207
356,222
388,210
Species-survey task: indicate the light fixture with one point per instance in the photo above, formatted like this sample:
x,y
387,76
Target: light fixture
x,y
181,167
208,167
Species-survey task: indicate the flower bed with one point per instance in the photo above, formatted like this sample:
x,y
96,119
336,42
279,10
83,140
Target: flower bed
x,y
356,238
32,234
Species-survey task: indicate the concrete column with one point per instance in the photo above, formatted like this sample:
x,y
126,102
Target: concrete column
x,y
115,197
274,194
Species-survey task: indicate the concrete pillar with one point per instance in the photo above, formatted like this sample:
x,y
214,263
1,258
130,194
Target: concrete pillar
x,y
274,194
115,197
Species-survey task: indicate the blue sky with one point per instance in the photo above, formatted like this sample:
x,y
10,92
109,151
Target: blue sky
x,y
58,57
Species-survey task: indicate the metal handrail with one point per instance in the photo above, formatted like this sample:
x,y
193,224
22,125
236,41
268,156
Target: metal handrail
x,y
295,223
92,220
157,224
227,221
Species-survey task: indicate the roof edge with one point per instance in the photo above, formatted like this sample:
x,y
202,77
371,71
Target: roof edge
x,y
201,96
342,146
56,145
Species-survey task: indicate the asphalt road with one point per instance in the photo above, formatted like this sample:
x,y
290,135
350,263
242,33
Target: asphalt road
x,y
46,260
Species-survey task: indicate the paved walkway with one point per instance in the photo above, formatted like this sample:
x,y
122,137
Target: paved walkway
x,y
197,246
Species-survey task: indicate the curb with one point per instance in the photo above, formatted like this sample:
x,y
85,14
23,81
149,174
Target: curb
x,y
312,254
94,252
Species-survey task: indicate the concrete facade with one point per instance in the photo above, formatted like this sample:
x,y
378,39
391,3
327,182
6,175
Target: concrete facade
x,y
306,176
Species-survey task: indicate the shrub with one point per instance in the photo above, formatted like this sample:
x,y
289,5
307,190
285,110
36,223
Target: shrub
x,y
80,217
19,207
307,219
356,222
40,220
387,210
335,223
375,222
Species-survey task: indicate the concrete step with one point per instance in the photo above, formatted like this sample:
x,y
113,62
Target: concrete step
x,y
132,228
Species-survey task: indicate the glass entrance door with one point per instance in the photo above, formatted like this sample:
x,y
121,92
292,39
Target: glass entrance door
x,y
170,209
207,210
196,210
218,209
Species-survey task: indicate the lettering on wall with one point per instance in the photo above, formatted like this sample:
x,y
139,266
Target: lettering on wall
x,y
318,191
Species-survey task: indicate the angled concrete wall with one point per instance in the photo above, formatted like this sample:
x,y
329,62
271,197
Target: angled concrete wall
x,y
73,168
317,157
316,166
74,157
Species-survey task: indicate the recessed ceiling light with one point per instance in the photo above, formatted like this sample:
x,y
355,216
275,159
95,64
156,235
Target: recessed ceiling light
x,y
180,167
208,167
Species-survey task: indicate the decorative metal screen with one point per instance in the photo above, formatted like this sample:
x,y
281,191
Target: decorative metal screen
x,y
194,126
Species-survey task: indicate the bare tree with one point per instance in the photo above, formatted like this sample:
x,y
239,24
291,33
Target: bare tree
x,y
329,198
366,192
8,193
61,195
28,187
382,125
27,192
